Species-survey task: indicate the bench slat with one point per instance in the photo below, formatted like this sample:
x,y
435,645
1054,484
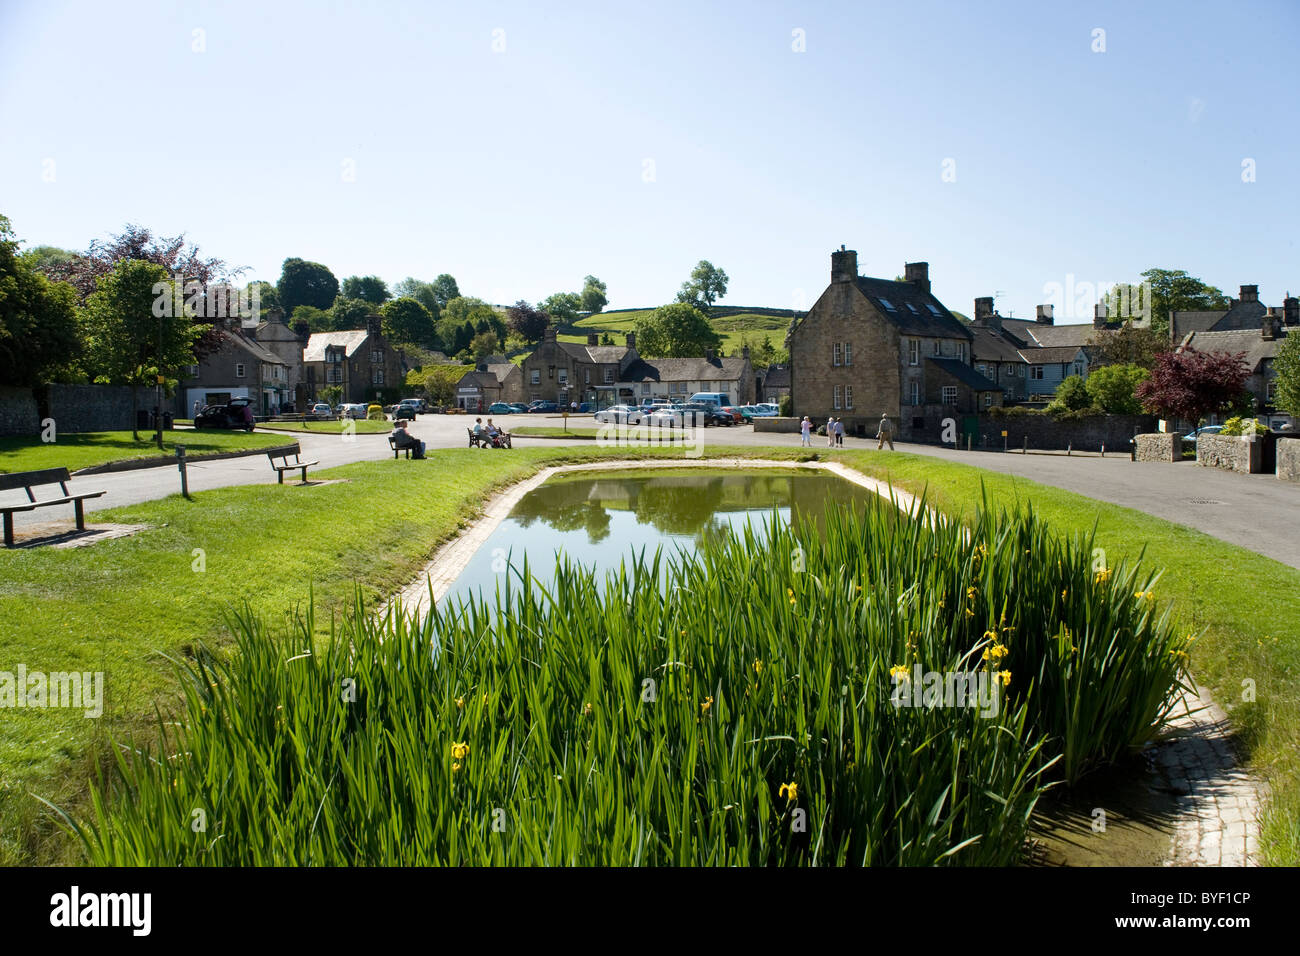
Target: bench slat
x,y
30,479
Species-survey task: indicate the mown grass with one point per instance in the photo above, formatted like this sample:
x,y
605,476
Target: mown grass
x,y
121,605
362,427
651,724
84,449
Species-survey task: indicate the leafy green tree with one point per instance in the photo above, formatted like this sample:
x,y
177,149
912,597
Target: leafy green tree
x,y
1112,388
126,342
1286,365
331,395
484,344
594,298
678,330
348,314
563,307
406,320
444,290
306,283
706,285
316,320
267,296
421,292
1071,395
39,337
48,259
1128,345
370,289
1172,290
528,322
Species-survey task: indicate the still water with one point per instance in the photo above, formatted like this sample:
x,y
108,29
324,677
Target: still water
x,y
602,520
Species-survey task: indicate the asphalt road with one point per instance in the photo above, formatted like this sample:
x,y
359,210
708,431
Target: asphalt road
x,y
1254,511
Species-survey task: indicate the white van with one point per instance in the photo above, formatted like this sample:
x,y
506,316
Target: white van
x,y
711,398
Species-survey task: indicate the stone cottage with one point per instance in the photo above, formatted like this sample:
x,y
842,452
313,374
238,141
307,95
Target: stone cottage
x,y
359,360
871,346
493,380
565,372
239,368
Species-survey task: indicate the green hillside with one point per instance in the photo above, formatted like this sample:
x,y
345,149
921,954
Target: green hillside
x,y
733,323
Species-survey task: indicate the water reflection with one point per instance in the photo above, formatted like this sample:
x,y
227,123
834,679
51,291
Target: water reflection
x,y
600,521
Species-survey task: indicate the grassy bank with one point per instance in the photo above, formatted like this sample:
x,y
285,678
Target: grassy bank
x,y
84,449
121,605
362,427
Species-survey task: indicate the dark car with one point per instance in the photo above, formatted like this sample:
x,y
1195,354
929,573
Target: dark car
x,y
543,407
230,415
699,413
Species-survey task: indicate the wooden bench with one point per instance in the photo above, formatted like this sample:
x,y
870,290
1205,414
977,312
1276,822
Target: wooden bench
x,y
290,460
392,443
475,441
27,480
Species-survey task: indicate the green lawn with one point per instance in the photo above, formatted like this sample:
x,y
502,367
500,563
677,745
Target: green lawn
x,y
121,605
587,432
81,450
363,427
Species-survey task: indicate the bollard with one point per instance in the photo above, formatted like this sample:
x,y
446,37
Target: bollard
x,y
1103,451
1069,449
968,441
1025,449
180,465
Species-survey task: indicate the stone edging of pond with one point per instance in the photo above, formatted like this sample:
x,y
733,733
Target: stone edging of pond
x,y
1219,802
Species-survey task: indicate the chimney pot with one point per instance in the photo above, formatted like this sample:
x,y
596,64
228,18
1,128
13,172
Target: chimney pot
x,y
592,338
1045,316
1291,310
1268,328
631,340
1250,293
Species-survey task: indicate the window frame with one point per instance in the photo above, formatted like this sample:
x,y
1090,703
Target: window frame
x,y
944,392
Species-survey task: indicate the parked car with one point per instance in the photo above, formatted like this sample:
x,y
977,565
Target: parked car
x,y
517,408
501,408
584,408
621,414
766,410
230,415
354,410
540,406
413,405
1203,430
663,416
705,414
710,398
736,417
401,410
321,410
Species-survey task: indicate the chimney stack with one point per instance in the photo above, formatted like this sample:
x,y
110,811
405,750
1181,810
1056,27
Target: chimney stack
x,y
1268,329
918,273
631,340
711,355
1099,315
984,310
549,335
374,324
1250,293
1291,310
844,265
1045,316
592,338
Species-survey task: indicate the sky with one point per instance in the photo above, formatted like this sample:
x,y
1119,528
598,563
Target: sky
x,y
1030,151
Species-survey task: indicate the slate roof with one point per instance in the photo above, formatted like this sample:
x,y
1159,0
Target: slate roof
x,y
1057,336
1051,354
501,370
260,352
1256,347
317,343
1243,315
989,346
778,376
966,375
596,354
478,379
912,311
1184,322
684,370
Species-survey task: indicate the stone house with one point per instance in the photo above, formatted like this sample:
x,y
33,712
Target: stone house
x,y
491,381
677,379
1244,312
275,336
240,368
871,346
773,384
361,361
1260,347
565,372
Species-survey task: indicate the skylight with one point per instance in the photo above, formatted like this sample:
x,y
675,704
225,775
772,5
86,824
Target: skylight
x,y
912,308
930,306
888,305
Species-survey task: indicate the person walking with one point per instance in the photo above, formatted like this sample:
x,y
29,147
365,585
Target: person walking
x,y
839,432
830,433
885,433
805,429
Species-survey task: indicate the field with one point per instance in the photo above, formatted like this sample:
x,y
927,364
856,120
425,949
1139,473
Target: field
x,y
362,426
84,449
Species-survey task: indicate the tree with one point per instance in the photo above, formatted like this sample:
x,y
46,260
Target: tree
x,y
38,319
316,320
484,344
331,395
706,285
127,343
1128,345
406,320
527,322
1286,364
675,331
421,292
562,307
1112,388
1171,290
464,310
268,298
348,314
137,243
438,382
306,283
444,290
1191,384
46,259
593,295
370,289
1071,395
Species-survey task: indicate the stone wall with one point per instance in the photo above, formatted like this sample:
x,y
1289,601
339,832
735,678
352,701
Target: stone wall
x,y
18,412
1230,452
777,424
1288,458
1160,446
1046,432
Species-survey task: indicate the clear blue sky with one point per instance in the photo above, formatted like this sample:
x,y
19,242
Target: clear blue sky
x,y
521,171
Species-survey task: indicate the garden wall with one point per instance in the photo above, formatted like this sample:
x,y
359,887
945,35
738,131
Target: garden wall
x,y
1231,453
1160,446
1057,434
777,424
1288,458
74,408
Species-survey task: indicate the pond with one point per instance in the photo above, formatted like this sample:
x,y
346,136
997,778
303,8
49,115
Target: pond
x,y
602,520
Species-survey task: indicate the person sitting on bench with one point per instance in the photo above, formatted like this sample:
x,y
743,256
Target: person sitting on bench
x,y
404,439
498,436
